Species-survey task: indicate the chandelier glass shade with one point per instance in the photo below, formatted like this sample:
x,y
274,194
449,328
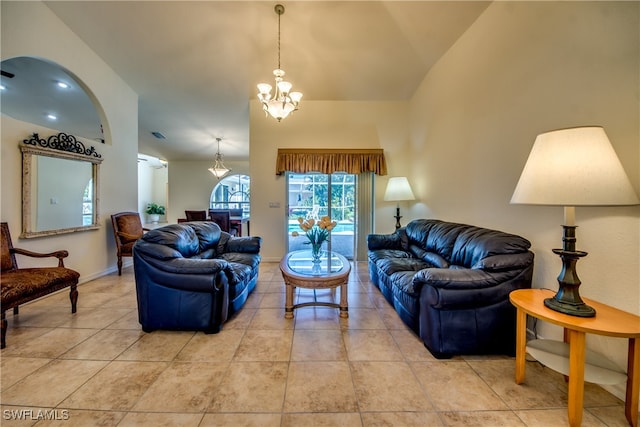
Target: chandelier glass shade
x,y
282,102
219,169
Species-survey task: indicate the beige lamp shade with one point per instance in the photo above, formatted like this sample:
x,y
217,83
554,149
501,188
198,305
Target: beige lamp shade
x,y
574,167
398,189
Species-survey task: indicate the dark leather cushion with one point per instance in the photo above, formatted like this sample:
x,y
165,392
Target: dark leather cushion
x,y
429,257
208,234
393,265
180,237
474,244
375,256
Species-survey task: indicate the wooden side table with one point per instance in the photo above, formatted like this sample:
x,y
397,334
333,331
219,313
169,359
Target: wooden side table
x,y
608,321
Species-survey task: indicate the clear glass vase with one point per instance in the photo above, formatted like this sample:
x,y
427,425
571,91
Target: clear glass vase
x,y
316,252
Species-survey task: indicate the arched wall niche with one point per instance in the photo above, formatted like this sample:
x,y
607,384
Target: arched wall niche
x,y
32,92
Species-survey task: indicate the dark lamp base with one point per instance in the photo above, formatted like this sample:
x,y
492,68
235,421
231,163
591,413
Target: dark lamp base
x,y
397,217
579,310
567,300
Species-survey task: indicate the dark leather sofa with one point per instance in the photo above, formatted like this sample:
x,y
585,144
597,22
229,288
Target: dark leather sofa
x,y
193,276
450,283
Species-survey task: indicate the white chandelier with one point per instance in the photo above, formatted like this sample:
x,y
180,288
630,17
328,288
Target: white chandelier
x,y
283,100
219,169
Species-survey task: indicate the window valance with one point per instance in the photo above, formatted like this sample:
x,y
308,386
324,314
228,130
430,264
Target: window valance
x,y
355,161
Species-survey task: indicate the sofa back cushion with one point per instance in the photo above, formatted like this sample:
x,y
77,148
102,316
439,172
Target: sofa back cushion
x,y
475,244
208,233
460,244
179,237
433,236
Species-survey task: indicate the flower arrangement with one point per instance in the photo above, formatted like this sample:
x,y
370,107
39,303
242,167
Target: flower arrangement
x,y
316,232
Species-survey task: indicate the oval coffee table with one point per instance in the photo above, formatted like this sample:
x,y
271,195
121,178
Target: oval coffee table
x,y
298,271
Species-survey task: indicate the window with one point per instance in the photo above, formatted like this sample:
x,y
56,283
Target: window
x,y
232,192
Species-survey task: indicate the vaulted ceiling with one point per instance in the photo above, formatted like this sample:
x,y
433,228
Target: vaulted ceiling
x,y
195,65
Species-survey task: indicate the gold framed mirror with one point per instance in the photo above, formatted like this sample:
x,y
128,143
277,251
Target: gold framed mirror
x,y
59,186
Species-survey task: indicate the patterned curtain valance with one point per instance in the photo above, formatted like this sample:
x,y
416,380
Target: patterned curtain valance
x,y
300,160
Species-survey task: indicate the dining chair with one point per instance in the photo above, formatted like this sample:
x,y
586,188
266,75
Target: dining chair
x,y
223,219
196,215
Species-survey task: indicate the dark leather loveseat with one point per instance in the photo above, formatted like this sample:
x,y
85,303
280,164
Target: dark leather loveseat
x,y
193,276
451,282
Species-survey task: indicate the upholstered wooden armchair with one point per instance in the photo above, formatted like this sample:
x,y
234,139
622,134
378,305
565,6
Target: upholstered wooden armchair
x,y
21,285
127,228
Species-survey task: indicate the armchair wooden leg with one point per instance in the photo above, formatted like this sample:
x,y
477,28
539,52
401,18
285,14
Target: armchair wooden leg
x,y
15,310
73,296
3,325
119,265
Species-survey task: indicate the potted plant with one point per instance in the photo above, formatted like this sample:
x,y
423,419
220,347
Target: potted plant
x,y
154,211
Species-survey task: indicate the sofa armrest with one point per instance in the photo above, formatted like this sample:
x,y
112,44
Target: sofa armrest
x,y
188,265
464,288
247,244
455,278
384,241
503,262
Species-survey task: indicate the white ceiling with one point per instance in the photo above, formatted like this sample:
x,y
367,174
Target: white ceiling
x,y
195,64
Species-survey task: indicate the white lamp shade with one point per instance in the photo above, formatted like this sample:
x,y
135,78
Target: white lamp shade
x,y
398,189
574,167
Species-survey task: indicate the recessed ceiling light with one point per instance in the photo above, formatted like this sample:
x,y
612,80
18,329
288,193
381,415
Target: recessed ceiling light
x,y
52,117
63,85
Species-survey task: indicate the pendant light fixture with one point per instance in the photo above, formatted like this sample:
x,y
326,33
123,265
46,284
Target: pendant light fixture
x,y
283,100
219,169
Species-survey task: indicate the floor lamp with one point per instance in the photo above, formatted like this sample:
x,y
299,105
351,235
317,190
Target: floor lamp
x,y
398,190
573,167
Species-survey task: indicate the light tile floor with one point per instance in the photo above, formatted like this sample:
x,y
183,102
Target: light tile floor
x,y
97,368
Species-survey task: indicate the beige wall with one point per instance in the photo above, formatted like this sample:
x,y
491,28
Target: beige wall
x,y
524,68
31,29
320,124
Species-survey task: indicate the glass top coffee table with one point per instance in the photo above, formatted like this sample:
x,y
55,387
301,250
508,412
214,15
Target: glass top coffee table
x,y
298,271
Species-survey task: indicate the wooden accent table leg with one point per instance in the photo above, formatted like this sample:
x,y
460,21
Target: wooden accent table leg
x,y
344,307
633,382
577,352
521,343
288,305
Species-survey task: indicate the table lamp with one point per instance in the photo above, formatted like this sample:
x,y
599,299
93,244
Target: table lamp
x,y
398,189
573,167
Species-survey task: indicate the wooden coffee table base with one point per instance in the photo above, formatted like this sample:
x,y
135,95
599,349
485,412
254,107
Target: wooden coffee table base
x,y
291,287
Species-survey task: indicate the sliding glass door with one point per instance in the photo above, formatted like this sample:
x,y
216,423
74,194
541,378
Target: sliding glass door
x,y
314,195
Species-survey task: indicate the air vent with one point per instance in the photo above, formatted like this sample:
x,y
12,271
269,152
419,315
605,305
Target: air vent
x,y
158,135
